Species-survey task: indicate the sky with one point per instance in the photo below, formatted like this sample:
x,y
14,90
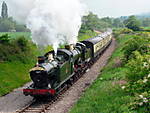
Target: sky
x,y
116,8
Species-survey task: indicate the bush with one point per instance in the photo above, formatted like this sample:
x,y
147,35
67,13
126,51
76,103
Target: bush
x,y
136,43
141,93
137,59
138,67
19,49
4,39
22,43
117,32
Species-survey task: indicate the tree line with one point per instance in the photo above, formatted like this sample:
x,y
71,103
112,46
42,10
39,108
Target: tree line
x,y
93,22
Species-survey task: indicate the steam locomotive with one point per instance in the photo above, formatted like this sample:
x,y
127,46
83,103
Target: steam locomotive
x,y
53,72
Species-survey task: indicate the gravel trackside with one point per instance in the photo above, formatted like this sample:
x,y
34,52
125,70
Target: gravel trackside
x,y
14,101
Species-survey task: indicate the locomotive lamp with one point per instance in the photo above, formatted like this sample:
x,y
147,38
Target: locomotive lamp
x,y
69,47
50,57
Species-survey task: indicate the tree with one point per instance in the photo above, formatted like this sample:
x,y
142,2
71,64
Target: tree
x,y
132,23
4,12
107,20
117,23
93,22
146,22
20,28
6,25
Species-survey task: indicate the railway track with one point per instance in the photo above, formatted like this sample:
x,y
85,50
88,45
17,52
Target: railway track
x,y
40,106
43,105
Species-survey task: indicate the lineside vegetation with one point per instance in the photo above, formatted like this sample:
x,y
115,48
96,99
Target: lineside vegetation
x,y
123,86
16,57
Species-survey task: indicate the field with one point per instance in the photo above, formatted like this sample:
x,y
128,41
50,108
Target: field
x,y
17,34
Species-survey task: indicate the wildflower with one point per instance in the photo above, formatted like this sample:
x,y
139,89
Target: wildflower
x,y
141,96
146,64
101,78
145,80
145,100
141,103
148,76
123,87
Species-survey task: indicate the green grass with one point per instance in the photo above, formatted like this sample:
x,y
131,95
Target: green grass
x,y
13,75
106,95
17,34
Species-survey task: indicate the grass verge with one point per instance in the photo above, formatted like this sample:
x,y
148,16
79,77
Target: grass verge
x,y
13,75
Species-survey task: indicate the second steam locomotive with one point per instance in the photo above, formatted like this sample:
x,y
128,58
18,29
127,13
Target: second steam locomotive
x,y
53,72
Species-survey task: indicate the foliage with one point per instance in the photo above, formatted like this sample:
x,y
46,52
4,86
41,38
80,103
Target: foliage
x,y
146,22
86,35
6,25
132,23
90,22
117,32
113,91
138,66
19,49
9,25
17,56
93,22
141,92
117,23
4,39
137,56
136,43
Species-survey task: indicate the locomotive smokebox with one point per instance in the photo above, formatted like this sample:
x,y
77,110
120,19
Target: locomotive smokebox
x,y
69,47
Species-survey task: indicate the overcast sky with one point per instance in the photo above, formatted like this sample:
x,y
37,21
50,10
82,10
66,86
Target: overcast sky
x,y
116,8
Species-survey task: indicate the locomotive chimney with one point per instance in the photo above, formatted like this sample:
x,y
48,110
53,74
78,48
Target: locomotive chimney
x,y
41,59
69,47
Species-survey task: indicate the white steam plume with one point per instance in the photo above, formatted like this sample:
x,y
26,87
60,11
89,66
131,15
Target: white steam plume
x,y
52,22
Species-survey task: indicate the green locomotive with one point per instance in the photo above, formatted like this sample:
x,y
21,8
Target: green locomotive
x,y
53,72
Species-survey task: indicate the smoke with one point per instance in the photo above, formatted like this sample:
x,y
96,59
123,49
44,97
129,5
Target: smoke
x,y
52,22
